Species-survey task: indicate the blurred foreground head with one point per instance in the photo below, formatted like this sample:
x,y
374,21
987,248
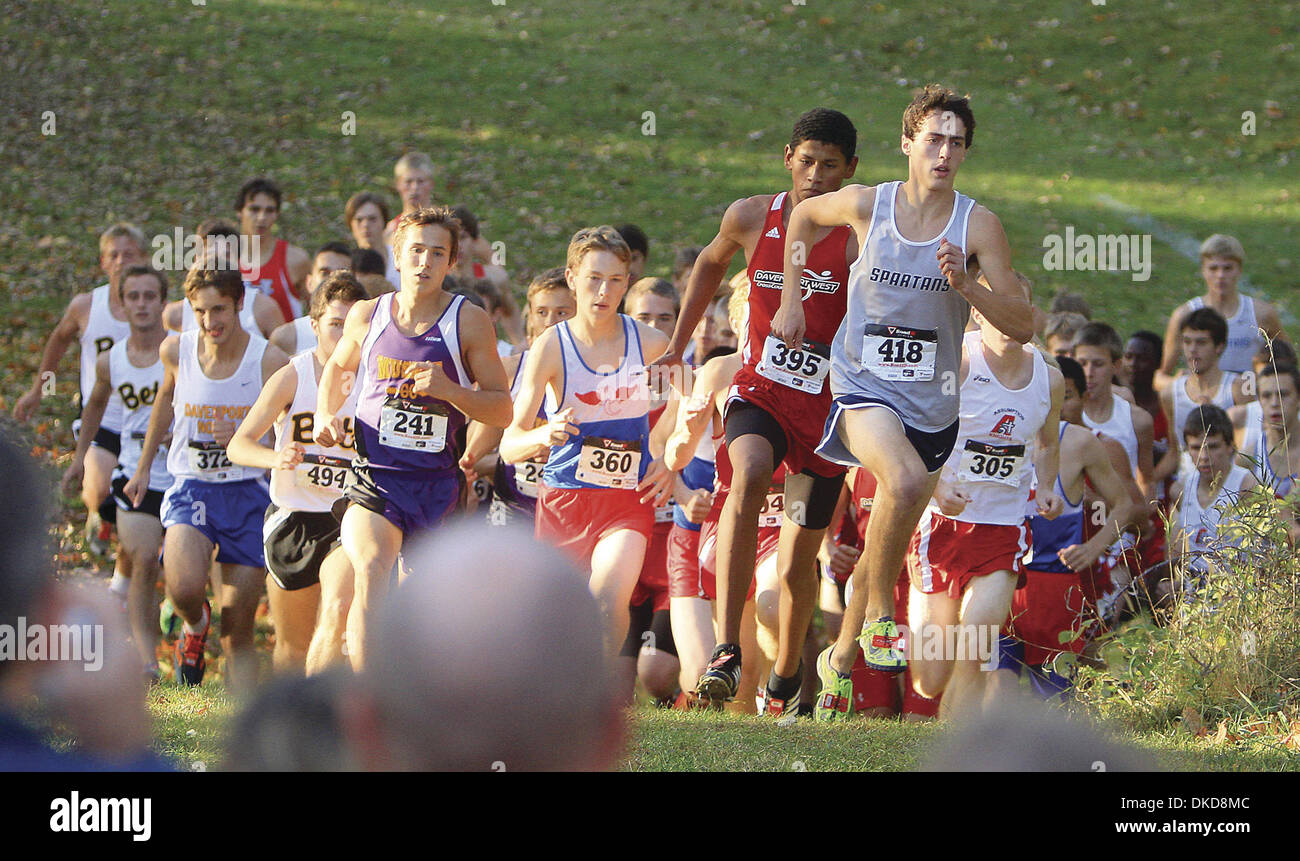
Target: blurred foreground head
x,y
489,656
1030,737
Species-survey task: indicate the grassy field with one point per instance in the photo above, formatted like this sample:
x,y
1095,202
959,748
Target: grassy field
x,y
548,116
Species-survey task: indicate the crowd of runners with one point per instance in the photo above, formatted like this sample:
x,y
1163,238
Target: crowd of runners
x,y
871,420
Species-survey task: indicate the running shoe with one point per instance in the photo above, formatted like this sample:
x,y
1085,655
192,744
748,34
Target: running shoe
x,y
721,678
835,700
190,660
880,646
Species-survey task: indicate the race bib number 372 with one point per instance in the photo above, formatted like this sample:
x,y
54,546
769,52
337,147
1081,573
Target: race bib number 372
x,y
208,460
803,369
900,354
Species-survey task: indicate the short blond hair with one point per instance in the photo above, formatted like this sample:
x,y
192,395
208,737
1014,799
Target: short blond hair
x,y
413,161
1223,245
602,238
122,228
660,287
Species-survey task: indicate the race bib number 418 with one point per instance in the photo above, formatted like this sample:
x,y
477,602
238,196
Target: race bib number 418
x,y
900,354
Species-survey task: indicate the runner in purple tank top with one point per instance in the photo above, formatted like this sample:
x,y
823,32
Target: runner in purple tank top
x,y
416,356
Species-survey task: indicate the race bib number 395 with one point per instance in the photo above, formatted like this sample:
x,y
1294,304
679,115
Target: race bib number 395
x,y
609,462
803,369
985,462
900,354
413,426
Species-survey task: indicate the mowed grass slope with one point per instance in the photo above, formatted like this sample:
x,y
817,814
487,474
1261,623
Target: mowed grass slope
x,y
538,114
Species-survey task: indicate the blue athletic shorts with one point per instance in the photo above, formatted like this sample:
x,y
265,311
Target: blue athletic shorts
x,y
230,514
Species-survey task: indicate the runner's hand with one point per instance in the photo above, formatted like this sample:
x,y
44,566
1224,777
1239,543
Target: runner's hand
x,y
1049,504
657,486
290,456
952,263
560,428
788,325
328,429
952,498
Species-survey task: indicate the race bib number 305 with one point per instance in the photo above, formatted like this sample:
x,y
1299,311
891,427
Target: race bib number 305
x,y
984,462
803,369
209,462
413,426
319,472
900,354
609,462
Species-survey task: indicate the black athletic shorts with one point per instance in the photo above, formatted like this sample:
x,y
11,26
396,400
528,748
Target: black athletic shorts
x,y
108,440
815,495
296,543
642,619
934,447
117,499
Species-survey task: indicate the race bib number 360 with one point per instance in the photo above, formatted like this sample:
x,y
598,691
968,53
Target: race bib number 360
x,y
413,426
609,462
984,462
900,354
319,472
209,462
803,369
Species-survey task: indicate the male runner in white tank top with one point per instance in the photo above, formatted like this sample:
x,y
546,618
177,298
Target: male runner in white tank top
x,y
96,320
964,561
1204,335
212,379
1097,348
259,312
131,373
308,571
1250,321
1205,500
297,335
898,344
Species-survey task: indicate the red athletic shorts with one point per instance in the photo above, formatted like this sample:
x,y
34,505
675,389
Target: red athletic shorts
x,y
575,520
684,563
1049,604
802,416
945,554
767,541
653,582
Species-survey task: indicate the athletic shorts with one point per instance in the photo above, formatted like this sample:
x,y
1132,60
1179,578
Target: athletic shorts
x,y
652,585
229,515
1048,605
152,504
945,555
684,563
933,447
768,537
411,501
648,627
108,440
800,415
296,543
576,519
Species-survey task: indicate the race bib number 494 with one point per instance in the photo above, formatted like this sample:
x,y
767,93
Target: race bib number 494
x,y
900,354
319,472
609,462
803,369
413,426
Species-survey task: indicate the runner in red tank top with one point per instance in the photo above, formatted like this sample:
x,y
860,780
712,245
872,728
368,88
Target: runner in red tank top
x,y
779,400
281,270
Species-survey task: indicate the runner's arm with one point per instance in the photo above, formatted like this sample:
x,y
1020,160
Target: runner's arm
x,y
160,420
1003,301
340,373
245,447
66,332
91,416
521,441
